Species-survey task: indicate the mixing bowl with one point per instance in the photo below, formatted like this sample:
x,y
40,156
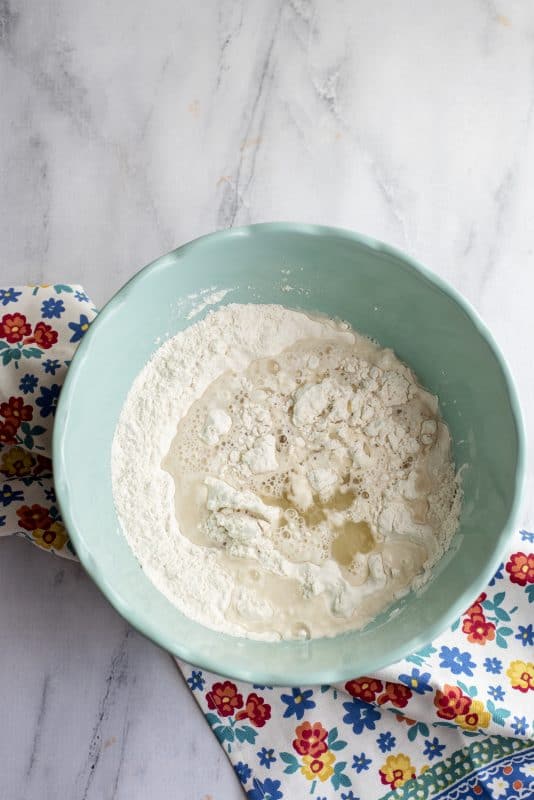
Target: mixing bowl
x,y
383,294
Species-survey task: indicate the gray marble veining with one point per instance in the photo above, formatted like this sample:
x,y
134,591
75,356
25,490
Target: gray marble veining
x,y
90,708
128,128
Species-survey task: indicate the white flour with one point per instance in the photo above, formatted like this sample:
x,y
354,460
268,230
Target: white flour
x,y
281,476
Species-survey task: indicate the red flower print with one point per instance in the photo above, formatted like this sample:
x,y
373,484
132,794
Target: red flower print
x,y
44,464
478,629
15,412
7,433
224,698
395,693
256,710
451,702
364,688
14,328
34,517
44,335
311,739
521,568
476,607
406,720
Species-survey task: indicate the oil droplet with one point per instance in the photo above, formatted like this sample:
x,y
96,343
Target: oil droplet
x,y
340,501
300,631
353,538
313,515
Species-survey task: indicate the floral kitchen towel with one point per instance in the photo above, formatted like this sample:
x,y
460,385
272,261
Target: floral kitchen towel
x,y
452,721
40,327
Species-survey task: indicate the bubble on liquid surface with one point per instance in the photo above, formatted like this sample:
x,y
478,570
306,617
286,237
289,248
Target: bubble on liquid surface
x,y
300,631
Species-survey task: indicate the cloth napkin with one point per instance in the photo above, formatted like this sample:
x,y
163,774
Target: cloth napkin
x,y
453,720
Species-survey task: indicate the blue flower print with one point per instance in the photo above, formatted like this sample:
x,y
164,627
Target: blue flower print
x,y
360,715
433,748
243,771
265,790
9,296
497,692
519,726
349,795
266,757
260,686
51,366
50,495
52,308
2,521
28,383
79,328
361,763
493,665
526,536
498,575
525,635
8,496
417,681
386,742
81,296
297,702
459,663
196,680
47,402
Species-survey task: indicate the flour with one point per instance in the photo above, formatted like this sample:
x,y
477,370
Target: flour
x,y
217,423
281,476
207,300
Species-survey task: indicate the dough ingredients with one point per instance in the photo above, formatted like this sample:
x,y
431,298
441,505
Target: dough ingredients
x,y
279,475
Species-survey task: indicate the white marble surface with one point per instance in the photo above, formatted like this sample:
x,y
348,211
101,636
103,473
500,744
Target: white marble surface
x,y
130,127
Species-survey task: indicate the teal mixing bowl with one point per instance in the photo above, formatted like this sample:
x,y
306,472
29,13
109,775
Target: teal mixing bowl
x,y
383,294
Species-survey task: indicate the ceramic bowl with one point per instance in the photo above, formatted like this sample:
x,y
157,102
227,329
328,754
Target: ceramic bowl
x,y
383,294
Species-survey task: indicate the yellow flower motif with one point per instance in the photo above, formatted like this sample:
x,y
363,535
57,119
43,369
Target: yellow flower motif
x,y
424,769
521,675
319,767
396,771
17,461
475,717
54,537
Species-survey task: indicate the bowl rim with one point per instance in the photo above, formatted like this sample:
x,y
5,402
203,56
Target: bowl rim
x,y
300,674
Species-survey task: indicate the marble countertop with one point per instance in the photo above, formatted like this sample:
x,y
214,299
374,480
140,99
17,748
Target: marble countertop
x,y
128,128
